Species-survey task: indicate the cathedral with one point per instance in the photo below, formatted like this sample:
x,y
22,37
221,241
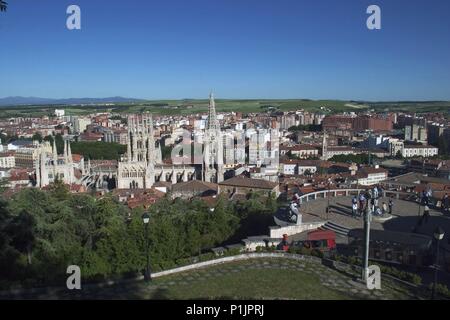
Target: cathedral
x,y
51,166
142,166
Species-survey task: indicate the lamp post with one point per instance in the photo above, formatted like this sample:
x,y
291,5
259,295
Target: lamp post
x,y
367,220
438,235
146,220
420,203
328,199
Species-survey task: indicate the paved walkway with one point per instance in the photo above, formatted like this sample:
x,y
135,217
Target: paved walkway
x,y
405,216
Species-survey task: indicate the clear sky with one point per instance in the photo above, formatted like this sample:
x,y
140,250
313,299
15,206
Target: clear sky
x,y
171,49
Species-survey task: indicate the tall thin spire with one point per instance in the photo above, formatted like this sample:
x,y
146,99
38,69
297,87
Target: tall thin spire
x,y
66,158
69,152
55,151
129,139
212,122
324,147
213,153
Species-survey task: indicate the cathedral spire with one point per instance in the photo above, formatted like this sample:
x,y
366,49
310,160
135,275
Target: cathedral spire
x,y
69,152
213,149
212,122
129,139
66,158
55,151
324,147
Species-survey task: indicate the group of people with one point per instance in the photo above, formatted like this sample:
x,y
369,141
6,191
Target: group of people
x,y
371,198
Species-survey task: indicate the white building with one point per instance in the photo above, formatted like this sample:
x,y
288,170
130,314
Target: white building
x,y
7,160
297,167
395,146
419,151
369,176
338,150
59,113
80,124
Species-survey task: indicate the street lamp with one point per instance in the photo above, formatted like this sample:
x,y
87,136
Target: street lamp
x,y
367,220
328,199
438,235
146,220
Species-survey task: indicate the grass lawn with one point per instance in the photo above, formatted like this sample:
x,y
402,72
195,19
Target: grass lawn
x,y
251,284
262,278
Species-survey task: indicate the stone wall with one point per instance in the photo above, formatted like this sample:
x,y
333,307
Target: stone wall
x,y
278,232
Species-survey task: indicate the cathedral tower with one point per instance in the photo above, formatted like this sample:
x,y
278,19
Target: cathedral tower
x,y
213,146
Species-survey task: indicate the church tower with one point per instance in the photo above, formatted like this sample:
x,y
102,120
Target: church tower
x,y
324,147
213,142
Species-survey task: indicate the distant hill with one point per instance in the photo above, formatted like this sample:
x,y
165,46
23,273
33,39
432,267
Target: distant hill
x,y
14,101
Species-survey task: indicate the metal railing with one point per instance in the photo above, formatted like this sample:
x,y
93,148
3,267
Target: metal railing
x,y
324,194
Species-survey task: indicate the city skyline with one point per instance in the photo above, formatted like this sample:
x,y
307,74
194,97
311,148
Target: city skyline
x,y
240,50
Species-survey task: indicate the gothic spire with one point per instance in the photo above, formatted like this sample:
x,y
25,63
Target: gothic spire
x,y
212,122
55,152
69,152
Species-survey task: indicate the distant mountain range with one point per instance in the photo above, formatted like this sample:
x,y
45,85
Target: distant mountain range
x,y
14,101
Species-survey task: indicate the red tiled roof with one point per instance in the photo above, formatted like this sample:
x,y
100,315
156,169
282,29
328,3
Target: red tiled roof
x,y
241,181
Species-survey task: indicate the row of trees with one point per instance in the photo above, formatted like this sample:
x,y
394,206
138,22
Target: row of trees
x,y
98,150
362,158
43,232
90,150
306,127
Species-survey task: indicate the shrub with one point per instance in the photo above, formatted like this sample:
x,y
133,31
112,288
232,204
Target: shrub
x,y
233,252
305,251
292,250
441,289
317,253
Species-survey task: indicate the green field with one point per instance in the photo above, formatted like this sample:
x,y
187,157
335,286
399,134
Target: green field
x,y
193,106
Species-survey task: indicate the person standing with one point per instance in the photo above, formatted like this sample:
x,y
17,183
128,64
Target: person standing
x,y
424,198
446,203
362,200
384,208
354,205
380,191
426,214
375,192
391,205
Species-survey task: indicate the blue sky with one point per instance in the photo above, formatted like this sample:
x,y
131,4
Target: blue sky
x,y
237,48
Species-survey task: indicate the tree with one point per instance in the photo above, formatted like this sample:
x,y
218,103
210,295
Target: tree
x,y
98,150
22,234
399,155
59,140
37,137
3,5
